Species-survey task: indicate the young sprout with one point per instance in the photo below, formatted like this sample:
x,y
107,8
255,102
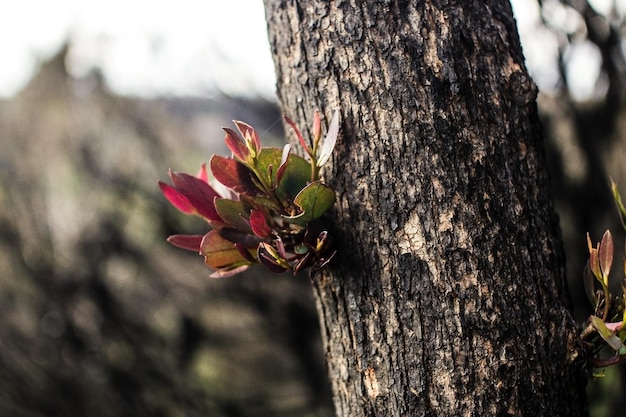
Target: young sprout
x,y
274,205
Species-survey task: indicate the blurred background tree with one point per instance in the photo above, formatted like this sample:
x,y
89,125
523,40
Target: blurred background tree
x,y
100,317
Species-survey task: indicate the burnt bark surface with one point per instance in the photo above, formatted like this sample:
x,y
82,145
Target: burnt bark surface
x,y
448,295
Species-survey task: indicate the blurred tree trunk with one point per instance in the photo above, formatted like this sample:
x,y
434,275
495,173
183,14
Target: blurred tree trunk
x,y
448,296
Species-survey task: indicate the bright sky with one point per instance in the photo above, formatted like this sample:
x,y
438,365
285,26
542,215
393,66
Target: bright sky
x,y
143,47
541,45
182,47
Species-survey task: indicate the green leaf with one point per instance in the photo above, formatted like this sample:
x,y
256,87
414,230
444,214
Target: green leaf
x,y
233,213
220,253
260,202
314,200
609,337
294,175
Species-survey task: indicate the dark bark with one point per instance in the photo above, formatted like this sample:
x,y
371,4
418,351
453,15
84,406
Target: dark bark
x,y
448,295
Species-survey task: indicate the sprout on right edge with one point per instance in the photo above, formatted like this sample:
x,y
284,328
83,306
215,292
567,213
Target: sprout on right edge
x,y
606,327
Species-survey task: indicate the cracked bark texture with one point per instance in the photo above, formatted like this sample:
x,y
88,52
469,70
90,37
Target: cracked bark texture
x,y
448,295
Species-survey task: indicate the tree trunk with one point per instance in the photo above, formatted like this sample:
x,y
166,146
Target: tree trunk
x,y
448,296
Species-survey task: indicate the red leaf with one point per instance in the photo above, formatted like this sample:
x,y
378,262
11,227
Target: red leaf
x,y
606,253
177,199
202,174
258,223
594,262
188,242
233,174
317,127
198,193
220,253
298,134
249,133
236,144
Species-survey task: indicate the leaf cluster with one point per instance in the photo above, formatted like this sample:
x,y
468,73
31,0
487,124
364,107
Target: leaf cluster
x,y
272,208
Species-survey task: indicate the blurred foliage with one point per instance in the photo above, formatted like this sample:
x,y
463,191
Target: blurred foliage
x,y
586,145
100,317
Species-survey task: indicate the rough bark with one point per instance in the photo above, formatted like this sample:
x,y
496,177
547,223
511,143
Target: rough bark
x,y
448,296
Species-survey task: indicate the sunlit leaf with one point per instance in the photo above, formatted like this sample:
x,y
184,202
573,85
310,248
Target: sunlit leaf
x,y
330,140
303,143
236,145
249,134
188,242
283,163
606,255
176,199
314,200
198,193
317,127
219,252
202,173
